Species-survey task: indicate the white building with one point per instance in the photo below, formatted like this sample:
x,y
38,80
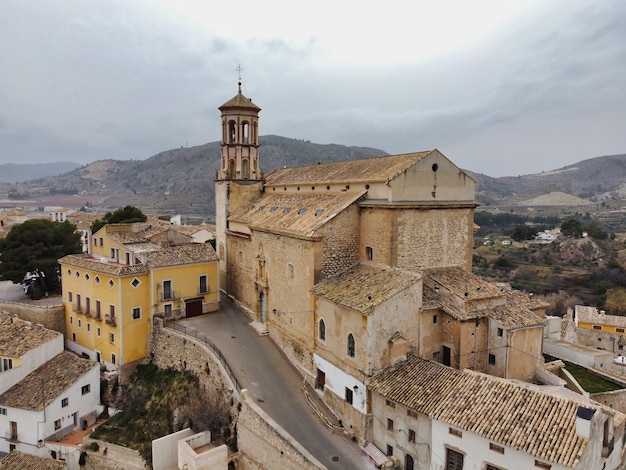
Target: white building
x,y
46,393
428,416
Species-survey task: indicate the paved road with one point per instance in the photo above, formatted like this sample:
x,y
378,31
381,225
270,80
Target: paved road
x,y
15,293
275,385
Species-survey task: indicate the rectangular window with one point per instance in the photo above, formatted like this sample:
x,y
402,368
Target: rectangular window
x,y
111,315
112,338
80,323
597,327
167,310
57,425
454,460
78,305
136,313
369,253
101,241
204,285
3,411
88,326
455,432
500,332
69,297
619,330
389,450
64,402
98,312
492,359
113,358
74,337
411,413
390,404
85,389
436,356
542,465
411,436
389,425
71,320
349,395
434,319
496,448
87,306
167,290
98,332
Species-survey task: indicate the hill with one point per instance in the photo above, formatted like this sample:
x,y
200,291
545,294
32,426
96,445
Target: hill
x,y
181,181
593,180
171,182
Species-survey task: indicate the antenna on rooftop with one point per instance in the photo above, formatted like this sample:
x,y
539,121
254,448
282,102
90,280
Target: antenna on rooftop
x,y
239,70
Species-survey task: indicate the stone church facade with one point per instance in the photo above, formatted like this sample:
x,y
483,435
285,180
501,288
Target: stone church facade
x,y
331,259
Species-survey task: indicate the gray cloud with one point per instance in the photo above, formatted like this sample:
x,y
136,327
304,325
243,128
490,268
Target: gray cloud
x,y
82,81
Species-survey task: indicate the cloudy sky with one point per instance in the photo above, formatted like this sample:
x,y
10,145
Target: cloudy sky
x,y
500,87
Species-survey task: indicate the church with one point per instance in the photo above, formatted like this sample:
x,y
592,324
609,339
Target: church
x,y
351,266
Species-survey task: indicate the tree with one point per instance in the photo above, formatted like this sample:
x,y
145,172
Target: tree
x,y
572,228
126,215
36,245
523,232
616,301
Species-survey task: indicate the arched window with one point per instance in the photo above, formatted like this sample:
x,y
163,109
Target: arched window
x,y
245,130
231,132
351,346
245,169
290,270
322,330
410,463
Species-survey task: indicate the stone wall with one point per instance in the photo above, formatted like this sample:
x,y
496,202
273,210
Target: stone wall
x,y
170,349
52,317
264,445
341,242
615,399
112,457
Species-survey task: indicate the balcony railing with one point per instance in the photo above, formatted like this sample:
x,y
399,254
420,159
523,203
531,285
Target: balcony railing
x,y
110,320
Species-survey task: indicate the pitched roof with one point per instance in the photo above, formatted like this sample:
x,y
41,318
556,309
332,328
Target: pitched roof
x,y
105,267
239,101
416,383
182,254
463,284
514,317
518,415
364,286
365,170
47,382
293,214
17,460
17,338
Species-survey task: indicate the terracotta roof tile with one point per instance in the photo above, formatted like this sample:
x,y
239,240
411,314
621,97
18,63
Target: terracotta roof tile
x,y
293,214
514,317
365,286
17,460
18,338
104,267
518,415
182,254
46,382
365,170
465,285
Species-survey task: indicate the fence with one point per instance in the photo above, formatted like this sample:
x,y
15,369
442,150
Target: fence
x,y
201,338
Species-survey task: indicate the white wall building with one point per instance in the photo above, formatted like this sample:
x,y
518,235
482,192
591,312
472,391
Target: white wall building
x,y
431,416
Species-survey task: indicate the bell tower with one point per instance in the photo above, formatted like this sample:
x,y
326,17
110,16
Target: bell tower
x,y
239,177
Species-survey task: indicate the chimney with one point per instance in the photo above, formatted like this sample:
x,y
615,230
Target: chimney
x,y
583,422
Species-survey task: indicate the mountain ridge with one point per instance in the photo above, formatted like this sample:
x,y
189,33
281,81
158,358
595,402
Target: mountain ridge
x,y
181,180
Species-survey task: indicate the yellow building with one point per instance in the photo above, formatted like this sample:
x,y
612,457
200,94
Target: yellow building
x,y
112,294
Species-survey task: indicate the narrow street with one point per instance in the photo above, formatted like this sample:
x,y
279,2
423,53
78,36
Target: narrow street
x,y
276,386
